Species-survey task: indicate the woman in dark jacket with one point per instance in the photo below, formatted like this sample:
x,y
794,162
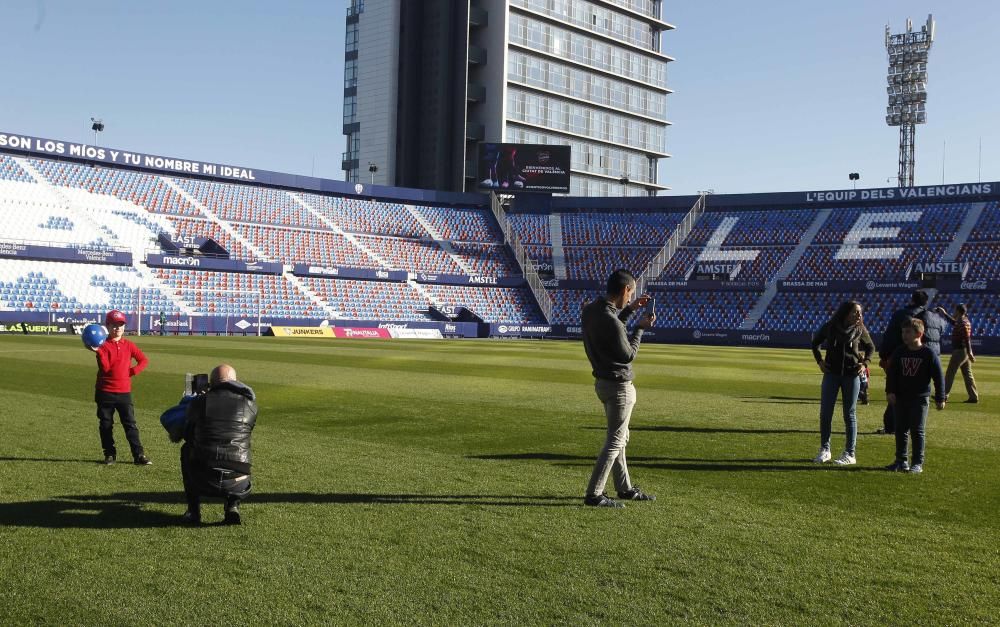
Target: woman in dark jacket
x,y
849,350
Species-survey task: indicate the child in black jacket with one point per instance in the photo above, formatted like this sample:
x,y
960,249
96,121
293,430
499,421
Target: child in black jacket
x,y
908,388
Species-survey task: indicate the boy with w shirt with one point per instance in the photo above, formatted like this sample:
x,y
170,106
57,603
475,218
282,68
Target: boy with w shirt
x,y
908,390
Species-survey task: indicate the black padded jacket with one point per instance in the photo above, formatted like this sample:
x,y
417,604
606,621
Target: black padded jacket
x,y
219,424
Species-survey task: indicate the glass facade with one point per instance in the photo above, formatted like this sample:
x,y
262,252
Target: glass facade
x,y
596,53
350,109
595,18
589,156
598,89
562,115
590,75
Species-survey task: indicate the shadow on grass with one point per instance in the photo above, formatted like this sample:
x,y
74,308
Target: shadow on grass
x,y
51,459
783,400
70,512
124,510
678,463
676,429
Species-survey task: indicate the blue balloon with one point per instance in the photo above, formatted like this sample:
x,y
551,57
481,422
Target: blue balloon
x,y
94,335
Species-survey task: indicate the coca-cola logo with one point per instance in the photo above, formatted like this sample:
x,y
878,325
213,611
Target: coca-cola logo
x,y
973,285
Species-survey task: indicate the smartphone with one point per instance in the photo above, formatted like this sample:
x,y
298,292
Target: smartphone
x,y
652,306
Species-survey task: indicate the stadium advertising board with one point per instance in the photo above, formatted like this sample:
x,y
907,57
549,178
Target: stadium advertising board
x,y
339,272
279,331
157,260
513,168
706,286
520,330
56,148
464,279
78,254
901,193
937,270
872,285
361,332
42,147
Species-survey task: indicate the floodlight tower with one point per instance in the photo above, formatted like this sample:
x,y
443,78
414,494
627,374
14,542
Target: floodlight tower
x,y
907,89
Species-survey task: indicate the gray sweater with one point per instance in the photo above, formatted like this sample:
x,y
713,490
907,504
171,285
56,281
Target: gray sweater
x,y
609,347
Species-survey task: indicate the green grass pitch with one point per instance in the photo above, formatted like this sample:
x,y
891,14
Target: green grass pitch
x,y
403,482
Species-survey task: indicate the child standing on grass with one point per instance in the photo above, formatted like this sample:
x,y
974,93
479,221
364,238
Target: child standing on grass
x,y
908,389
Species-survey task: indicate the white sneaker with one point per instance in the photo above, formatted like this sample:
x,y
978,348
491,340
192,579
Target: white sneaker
x,y
824,456
845,459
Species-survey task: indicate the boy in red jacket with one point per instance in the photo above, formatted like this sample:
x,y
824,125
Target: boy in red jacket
x,y
114,388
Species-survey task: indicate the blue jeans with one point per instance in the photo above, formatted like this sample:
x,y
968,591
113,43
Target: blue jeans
x,y
911,418
834,384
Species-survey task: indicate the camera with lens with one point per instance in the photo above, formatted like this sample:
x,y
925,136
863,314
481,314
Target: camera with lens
x,y
195,384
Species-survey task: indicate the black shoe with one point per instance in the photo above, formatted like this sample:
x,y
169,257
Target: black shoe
x,y
972,400
109,459
142,460
884,432
635,494
602,501
192,517
232,514
898,467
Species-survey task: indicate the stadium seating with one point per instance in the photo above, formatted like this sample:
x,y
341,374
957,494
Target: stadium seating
x,y
462,225
988,225
531,228
238,294
807,311
596,263
495,304
408,254
144,190
485,258
983,258
984,310
48,286
371,300
612,229
250,203
702,310
10,171
68,204
567,304
290,245
754,228
359,215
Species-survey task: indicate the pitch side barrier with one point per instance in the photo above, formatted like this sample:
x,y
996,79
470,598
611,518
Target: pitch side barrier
x,y
768,339
399,276
14,249
943,286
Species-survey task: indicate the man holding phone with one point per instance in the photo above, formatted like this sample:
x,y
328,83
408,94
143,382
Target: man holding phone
x,y
611,350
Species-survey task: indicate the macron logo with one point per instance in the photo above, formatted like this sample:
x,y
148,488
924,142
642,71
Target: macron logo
x,y
182,261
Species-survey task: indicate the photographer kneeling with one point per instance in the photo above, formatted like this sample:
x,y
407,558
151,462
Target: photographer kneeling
x,y
215,457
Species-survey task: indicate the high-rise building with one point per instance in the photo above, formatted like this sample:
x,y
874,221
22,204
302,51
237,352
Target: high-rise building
x,y
426,81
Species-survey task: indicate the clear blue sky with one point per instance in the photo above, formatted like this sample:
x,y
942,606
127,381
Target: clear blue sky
x,y
773,96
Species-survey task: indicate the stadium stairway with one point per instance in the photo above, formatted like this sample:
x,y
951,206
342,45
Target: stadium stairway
x,y
558,254
440,241
771,289
225,226
336,228
962,236
66,203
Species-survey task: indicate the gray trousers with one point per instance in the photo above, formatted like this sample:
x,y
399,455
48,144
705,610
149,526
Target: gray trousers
x,y
960,359
618,399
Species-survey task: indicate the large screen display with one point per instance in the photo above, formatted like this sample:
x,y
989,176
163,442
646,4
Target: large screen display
x,y
513,168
